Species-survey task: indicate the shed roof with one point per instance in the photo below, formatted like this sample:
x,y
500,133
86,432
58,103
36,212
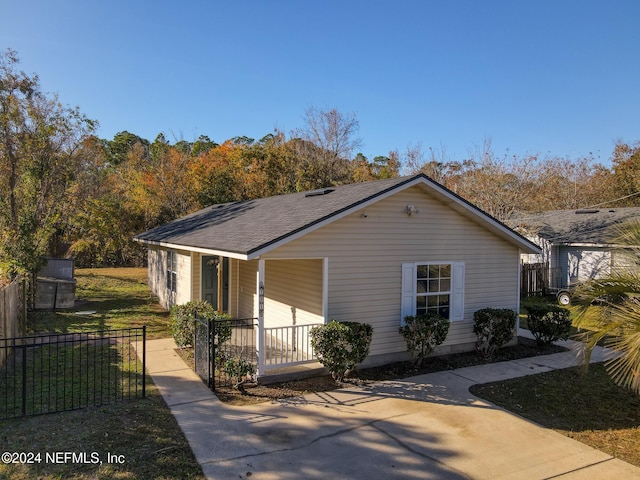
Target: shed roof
x,y
249,228
587,226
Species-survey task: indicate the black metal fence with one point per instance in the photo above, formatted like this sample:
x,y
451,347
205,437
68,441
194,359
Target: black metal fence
x,y
217,341
59,372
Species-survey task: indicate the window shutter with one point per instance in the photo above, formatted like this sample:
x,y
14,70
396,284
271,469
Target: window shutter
x,y
408,306
457,291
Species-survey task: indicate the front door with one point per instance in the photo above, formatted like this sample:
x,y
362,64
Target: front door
x,y
215,290
210,280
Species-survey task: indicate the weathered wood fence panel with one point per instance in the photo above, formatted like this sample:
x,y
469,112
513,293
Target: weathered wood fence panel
x,y
9,315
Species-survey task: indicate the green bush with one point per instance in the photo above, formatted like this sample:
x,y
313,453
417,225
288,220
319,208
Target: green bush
x,y
340,346
238,370
423,333
493,327
183,323
548,323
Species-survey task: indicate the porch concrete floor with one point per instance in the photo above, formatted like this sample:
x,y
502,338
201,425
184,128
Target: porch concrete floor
x,y
427,427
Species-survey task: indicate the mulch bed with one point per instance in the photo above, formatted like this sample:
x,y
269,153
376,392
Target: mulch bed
x,y
256,393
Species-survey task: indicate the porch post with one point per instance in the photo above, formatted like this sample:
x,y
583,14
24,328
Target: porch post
x,y
519,290
260,309
325,289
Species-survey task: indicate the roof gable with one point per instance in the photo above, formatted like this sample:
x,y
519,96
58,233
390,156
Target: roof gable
x,y
249,228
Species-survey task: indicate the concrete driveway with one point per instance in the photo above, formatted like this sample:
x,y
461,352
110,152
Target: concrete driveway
x,y
426,427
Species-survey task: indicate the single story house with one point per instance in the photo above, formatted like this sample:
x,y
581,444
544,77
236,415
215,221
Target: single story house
x,y
578,245
370,252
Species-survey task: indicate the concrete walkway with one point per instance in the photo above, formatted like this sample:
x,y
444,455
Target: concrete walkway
x,y
426,427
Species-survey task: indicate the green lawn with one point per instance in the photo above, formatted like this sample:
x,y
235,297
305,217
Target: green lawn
x,y
141,432
583,404
119,296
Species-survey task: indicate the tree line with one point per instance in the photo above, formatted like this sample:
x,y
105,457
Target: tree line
x,y
66,192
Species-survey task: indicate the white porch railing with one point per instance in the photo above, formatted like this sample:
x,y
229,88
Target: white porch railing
x,y
286,346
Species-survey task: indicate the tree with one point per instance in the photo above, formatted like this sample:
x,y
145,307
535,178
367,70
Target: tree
x,y
609,308
434,166
386,167
122,143
626,169
327,142
499,186
202,145
39,158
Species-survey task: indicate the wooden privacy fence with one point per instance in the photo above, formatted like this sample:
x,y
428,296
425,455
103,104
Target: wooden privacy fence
x,y
9,315
539,279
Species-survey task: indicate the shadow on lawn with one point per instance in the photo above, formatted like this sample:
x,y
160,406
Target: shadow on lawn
x,y
118,313
142,432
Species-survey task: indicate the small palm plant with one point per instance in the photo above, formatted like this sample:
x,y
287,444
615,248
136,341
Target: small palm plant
x,y
609,310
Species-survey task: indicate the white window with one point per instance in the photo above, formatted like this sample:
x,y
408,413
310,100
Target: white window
x,y
172,268
436,287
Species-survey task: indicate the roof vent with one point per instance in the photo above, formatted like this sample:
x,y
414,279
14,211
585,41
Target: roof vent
x,y
586,210
317,193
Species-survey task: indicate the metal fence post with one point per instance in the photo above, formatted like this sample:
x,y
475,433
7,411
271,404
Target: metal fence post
x,y
24,380
144,361
211,363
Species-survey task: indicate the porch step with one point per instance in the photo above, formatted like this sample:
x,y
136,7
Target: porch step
x,y
294,372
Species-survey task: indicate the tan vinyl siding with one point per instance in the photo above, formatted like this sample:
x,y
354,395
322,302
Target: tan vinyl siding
x,y
247,289
366,255
293,292
234,286
155,270
196,276
183,287
157,276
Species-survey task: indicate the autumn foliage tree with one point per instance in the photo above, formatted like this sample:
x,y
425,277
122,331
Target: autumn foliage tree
x,y
40,156
66,192
626,169
505,185
158,181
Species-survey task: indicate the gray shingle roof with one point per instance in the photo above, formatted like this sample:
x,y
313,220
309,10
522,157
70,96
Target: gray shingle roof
x,y
244,227
592,226
247,227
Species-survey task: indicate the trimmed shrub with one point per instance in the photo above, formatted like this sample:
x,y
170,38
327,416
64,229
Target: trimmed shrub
x,y
183,323
340,346
423,333
548,323
493,327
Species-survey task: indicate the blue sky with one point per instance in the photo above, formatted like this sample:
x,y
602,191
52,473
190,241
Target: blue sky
x,y
552,77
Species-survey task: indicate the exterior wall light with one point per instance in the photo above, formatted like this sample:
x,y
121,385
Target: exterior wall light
x,y
412,210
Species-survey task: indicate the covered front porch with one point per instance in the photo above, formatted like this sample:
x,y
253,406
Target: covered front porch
x,y
275,303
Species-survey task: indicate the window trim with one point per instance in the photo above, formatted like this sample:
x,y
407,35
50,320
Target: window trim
x,y
456,291
427,293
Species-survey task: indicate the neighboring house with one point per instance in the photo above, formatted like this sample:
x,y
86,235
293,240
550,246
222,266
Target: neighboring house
x,y
369,252
577,244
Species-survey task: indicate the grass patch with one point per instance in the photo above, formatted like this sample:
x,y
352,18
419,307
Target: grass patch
x,y
143,432
582,404
119,296
69,374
